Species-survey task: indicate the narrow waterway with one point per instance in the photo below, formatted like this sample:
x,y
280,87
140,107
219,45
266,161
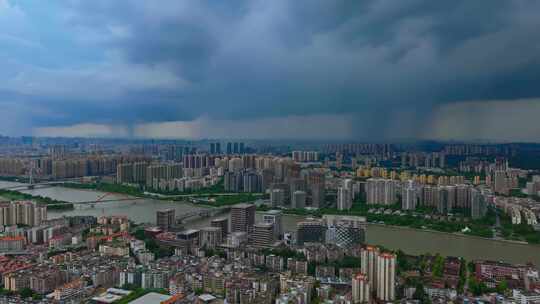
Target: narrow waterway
x,y
412,241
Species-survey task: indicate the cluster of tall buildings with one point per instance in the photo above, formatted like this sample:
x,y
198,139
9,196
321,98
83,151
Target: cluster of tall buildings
x,y
12,166
447,198
242,229
472,149
81,166
423,159
378,275
244,181
381,191
288,184
148,174
443,198
480,165
61,166
236,148
431,179
305,156
503,181
299,189
361,290
197,161
27,213
168,152
241,173
58,151
215,148
230,148
172,176
354,149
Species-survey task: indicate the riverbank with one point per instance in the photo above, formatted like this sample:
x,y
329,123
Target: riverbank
x,y
51,204
455,234
213,196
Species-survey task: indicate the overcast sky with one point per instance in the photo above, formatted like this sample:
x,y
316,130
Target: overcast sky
x,y
317,69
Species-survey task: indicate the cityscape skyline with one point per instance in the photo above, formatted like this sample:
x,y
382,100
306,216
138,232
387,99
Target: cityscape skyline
x,y
233,221
356,71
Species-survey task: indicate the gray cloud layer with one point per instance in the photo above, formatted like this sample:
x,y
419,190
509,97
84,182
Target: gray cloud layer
x,y
388,64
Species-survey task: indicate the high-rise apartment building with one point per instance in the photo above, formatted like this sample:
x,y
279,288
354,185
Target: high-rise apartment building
x,y
316,186
27,213
165,218
223,224
154,173
386,277
368,258
241,148
310,230
69,168
381,191
210,237
233,181
263,235
463,195
274,217
501,182
298,199
236,164
58,151
478,204
242,217
296,184
344,198
139,172
361,292
277,197
305,156
174,170
447,199
409,196
124,173
252,182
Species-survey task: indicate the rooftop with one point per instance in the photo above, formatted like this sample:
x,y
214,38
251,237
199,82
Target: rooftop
x,y
188,232
12,238
243,206
152,297
207,297
273,212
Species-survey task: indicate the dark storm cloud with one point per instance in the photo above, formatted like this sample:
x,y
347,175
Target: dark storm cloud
x,y
380,61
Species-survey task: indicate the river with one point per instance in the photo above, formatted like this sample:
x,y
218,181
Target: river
x,y
412,241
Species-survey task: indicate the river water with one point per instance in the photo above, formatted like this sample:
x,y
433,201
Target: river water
x,y
412,241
